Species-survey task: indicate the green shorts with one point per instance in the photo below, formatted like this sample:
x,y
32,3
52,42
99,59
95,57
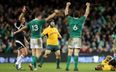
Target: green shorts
x,y
53,48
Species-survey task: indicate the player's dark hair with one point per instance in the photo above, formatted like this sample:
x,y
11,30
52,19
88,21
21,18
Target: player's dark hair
x,y
75,14
37,14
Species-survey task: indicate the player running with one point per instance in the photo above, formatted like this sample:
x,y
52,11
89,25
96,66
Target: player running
x,y
52,43
35,27
76,26
20,39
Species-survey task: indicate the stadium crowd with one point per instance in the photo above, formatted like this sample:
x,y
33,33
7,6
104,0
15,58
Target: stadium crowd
x,y
97,32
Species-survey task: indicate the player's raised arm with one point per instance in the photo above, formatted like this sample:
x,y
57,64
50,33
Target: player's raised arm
x,y
87,9
52,15
23,28
22,13
67,8
59,35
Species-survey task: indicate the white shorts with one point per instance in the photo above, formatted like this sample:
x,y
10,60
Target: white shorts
x,y
74,43
35,43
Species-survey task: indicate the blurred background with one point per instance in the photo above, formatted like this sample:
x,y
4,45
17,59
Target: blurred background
x,y
97,32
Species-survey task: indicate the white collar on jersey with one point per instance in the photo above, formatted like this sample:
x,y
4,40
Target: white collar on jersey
x,y
75,17
36,19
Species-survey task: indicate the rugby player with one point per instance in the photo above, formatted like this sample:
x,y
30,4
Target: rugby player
x,y
76,25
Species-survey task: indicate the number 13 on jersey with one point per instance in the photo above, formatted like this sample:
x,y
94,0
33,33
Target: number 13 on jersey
x,y
35,28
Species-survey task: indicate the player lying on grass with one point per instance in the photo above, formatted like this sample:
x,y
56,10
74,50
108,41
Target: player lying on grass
x,y
53,36
105,65
113,62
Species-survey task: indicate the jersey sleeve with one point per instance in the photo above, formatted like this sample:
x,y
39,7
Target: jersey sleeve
x,y
68,18
45,31
43,21
82,19
28,25
103,62
58,33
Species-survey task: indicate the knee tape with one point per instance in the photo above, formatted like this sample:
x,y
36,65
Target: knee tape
x,y
70,52
76,52
57,54
47,52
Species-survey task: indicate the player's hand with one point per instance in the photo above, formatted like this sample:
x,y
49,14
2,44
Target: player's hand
x,y
68,3
87,4
56,11
24,9
14,33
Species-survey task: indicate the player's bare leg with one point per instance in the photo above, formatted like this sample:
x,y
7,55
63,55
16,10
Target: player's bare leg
x,y
38,53
98,67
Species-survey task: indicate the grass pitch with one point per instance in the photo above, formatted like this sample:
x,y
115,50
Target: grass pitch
x,y
50,67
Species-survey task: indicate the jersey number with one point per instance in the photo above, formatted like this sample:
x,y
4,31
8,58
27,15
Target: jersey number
x,y
35,27
75,27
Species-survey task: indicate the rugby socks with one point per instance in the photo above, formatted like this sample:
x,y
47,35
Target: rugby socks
x,y
76,62
20,65
34,61
19,59
58,63
68,62
38,59
42,61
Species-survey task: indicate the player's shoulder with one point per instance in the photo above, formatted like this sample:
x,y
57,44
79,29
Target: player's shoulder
x,y
68,16
55,28
35,20
82,17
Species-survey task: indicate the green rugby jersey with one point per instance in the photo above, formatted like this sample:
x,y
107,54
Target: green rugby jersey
x,y
76,26
35,27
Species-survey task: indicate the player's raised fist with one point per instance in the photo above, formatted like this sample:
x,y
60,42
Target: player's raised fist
x,y
24,9
87,4
56,11
68,3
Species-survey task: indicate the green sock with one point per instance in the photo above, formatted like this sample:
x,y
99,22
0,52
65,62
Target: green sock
x,y
42,60
34,60
38,59
76,61
58,63
68,62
